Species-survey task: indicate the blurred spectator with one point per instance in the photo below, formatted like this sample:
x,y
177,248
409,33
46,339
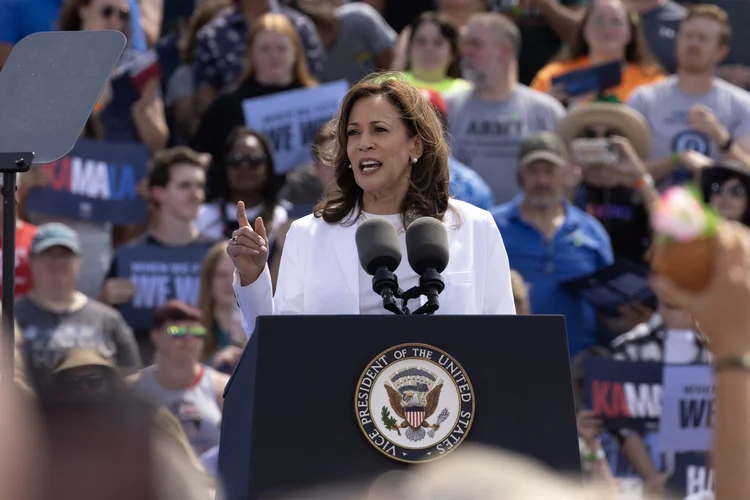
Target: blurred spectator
x,y
125,114
433,60
549,23
193,392
274,62
244,170
549,241
605,193
488,121
465,184
217,303
21,18
56,318
694,110
24,235
725,187
609,31
179,99
177,179
224,49
457,12
356,38
84,375
660,20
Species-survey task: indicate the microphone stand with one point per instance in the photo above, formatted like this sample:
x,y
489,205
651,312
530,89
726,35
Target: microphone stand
x,y
385,284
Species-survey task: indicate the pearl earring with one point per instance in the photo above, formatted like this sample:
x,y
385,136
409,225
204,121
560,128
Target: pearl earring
x,y
350,166
414,160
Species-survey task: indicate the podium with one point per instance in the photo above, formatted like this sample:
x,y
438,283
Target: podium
x,y
308,403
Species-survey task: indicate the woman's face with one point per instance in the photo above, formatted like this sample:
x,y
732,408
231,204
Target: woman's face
x,y
729,199
379,148
179,342
221,285
607,29
273,58
101,15
430,50
247,168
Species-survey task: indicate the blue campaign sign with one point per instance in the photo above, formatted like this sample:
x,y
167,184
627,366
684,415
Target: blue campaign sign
x,y
159,274
626,395
96,182
688,419
692,474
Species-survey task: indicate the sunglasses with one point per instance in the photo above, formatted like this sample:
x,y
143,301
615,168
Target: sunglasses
x,y
92,382
238,159
182,331
735,191
122,12
590,133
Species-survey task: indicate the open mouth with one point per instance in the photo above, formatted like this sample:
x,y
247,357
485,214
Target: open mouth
x,y
368,166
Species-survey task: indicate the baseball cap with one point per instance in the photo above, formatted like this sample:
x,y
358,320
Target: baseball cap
x,y
545,146
76,358
55,234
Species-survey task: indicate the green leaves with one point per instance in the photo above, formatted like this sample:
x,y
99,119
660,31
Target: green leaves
x,y
388,421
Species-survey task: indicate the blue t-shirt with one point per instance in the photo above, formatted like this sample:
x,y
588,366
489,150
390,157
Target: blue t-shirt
x,y
21,18
581,246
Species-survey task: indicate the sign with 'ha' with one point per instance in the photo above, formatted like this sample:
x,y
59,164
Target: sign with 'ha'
x,y
95,182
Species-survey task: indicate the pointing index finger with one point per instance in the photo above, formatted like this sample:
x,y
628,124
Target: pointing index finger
x,y
241,215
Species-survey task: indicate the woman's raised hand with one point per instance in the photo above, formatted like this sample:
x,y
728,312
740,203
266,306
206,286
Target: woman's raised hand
x,y
248,248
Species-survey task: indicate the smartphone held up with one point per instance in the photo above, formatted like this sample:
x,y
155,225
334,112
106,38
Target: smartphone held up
x,y
595,151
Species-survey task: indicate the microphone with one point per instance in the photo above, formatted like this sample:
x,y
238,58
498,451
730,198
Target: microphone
x,y
379,252
427,248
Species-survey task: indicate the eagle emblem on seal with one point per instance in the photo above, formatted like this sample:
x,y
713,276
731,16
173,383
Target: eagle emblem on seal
x,y
413,395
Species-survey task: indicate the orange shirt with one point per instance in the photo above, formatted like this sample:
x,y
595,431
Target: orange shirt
x,y
24,234
633,76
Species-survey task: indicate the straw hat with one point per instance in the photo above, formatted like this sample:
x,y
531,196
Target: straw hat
x,y
629,122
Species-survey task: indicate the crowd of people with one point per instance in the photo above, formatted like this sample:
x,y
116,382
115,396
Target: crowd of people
x,y
568,172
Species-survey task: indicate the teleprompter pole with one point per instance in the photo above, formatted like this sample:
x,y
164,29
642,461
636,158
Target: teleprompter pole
x,y
10,165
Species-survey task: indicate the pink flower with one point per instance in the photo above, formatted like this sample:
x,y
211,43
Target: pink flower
x,y
679,215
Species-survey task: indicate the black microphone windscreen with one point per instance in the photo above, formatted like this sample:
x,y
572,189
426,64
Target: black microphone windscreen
x,y
427,245
378,245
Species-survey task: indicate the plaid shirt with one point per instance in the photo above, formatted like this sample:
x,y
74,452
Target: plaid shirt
x,y
221,45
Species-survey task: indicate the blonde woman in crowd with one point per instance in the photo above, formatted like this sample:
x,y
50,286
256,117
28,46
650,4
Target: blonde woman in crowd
x,y
218,304
274,62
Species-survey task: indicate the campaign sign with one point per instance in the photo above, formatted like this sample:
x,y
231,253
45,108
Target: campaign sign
x,y
692,474
96,182
624,394
688,418
291,119
159,274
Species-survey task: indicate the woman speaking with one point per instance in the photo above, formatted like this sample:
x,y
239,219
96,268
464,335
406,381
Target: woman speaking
x,y
391,161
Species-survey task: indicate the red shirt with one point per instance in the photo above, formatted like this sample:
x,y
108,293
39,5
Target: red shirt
x,y
24,234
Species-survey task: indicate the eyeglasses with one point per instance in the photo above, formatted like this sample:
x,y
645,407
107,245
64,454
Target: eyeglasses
x,y
735,191
122,12
236,160
182,331
590,133
92,382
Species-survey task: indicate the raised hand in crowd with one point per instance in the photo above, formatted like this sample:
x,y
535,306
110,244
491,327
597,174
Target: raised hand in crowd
x,y
149,117
589,428
248,248
633,171
702,119
695,161
117,291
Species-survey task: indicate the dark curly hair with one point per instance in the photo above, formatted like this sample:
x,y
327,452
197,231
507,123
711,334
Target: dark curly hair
x,y
428,193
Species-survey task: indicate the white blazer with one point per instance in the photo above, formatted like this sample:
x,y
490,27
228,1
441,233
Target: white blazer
x,y
319,272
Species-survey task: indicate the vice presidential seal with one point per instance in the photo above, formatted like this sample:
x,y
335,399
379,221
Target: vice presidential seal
x,y
414,403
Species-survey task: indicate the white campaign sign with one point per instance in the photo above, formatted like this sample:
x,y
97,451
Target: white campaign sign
x,y
291,119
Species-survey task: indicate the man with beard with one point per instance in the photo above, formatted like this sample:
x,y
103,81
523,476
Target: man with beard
x,y
695,110
549,241
488,121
